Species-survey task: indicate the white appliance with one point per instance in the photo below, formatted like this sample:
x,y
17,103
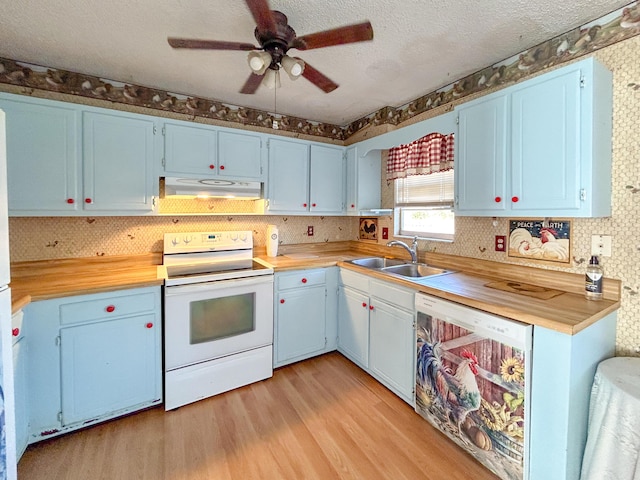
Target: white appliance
x,y
473,374
218,314
212,188
7,406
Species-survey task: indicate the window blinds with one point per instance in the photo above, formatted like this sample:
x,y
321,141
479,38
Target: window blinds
x,y
433,190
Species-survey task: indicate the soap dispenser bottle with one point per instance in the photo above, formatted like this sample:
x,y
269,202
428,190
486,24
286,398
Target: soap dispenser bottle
x,y
593,279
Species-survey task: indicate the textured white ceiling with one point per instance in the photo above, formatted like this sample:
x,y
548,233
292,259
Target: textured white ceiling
x,y
418,46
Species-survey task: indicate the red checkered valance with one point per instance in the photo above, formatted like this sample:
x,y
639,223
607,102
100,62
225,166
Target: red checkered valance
x,y
431,153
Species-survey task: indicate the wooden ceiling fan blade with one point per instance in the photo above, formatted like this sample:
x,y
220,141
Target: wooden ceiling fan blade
x,y
360,32
252,84
209,44
320,80
262,15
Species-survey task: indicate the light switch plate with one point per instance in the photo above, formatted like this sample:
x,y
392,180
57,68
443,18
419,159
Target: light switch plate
x,y
601,245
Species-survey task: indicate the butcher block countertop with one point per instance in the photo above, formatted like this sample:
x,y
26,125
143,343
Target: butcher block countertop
x,y
567,312
43,280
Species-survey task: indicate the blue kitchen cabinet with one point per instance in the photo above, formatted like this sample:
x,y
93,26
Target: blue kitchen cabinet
x,y
376,330
363,180
118,160
92,358
539,148
304,314
288,184
305,178
43,155
326,181
211,152
66,159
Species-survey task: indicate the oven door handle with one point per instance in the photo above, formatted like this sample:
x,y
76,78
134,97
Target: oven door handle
x,y
217,285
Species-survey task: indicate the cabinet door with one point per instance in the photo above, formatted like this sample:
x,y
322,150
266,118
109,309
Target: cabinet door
x,y
353,325
118,162
239,156
545,163
42,157
288,176
481,154
109,366
190,150
391,349
326,192
20,376
300,323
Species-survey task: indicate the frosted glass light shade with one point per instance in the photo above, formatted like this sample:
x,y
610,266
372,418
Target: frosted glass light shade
x,y
259,61
271,79
293,66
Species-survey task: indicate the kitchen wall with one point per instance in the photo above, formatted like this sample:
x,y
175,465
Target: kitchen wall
x,y
44,238
475,236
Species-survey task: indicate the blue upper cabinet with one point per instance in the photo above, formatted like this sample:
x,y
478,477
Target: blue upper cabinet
x,y
118,158
211,152
539,148
66,159
326,184
43,152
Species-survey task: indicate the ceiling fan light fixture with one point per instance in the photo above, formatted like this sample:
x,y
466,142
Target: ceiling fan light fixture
x,y
293,66
271,79
259,62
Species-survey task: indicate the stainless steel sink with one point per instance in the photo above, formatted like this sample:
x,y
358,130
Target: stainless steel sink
x,y
414,270
377,262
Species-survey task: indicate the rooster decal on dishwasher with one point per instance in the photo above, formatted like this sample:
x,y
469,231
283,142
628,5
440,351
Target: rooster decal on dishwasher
x,y
456,392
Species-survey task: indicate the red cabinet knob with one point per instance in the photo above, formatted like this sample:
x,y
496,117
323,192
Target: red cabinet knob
x,y
353,206
221,167
282,300
304,280
87,200
212,167
304,204
370,307
70,201
498,199
313,204
149,325
15,332
514,199
364,304
110,308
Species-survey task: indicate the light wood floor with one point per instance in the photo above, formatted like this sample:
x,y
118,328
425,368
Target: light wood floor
x,y
322,419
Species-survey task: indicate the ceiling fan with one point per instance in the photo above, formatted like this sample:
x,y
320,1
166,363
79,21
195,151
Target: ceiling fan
x,y
276,37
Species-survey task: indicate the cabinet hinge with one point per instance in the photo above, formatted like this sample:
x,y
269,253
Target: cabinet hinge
x,y
59,417
457,120
153,201
582,81
164,131
583,194
325,341
163,162
155,130
58,341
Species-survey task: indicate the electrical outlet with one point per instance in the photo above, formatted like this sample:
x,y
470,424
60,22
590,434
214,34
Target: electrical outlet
x,y
501,243
601,245
310,230
385,233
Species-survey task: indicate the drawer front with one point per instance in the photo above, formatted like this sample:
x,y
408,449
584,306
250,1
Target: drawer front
x,y
354,280
301,278
393,294
106,307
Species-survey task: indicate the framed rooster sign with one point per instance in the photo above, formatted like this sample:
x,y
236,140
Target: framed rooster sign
x,y
540,240
368,229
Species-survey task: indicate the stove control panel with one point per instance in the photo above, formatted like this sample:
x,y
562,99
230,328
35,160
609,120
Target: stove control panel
x,y
207,241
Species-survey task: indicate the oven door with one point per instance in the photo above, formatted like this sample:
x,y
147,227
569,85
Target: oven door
x,y
204,321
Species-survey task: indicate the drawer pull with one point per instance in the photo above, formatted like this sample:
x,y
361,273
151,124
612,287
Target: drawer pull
x,y
313,204
514,199
212,167
70,201
15,332
364,304
149,325
498,199
304,280
110,308
221,167
282,300
370,307
88,200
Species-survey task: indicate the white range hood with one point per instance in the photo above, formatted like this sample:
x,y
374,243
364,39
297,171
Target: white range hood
x,y
211,188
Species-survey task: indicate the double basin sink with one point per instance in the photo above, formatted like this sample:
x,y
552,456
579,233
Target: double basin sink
x,y
400,268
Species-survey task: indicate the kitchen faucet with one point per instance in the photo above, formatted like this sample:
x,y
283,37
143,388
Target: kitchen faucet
x,y
413,249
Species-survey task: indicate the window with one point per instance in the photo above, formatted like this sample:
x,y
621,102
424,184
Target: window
x,y
424,205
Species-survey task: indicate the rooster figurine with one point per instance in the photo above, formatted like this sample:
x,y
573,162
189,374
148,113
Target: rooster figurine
x,y
457,392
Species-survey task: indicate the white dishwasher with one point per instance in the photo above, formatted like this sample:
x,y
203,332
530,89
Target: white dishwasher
x,y
473,375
